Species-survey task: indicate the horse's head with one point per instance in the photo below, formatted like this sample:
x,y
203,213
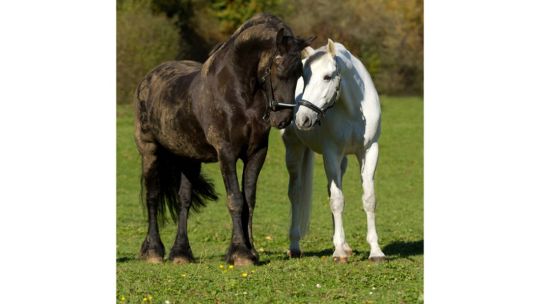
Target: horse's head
x,y
280,76
321,86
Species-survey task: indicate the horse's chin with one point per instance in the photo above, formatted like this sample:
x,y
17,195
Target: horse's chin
x,y
281,120
301,128
280,124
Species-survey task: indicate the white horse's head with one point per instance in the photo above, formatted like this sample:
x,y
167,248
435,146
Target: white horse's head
x,y
321,86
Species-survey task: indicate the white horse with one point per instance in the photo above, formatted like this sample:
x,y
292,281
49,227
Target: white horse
x,y
338,114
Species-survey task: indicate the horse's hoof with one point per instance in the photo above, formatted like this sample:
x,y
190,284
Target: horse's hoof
x,y
179,260
151,257
243,262
348,252
377,259
294,253
341,260
152,252
154,260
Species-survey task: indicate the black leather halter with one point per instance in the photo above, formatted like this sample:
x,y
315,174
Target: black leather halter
x,y
271,103
321,111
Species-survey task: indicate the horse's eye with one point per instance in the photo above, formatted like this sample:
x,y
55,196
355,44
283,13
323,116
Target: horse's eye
x,y
327,77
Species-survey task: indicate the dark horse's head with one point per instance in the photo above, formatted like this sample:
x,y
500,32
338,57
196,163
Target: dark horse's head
x,y
266,49
282,76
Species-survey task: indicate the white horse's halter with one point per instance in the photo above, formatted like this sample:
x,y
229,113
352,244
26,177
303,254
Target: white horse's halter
x,y
322,110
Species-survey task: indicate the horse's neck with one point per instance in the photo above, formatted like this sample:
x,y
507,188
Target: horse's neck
x,y
244,66
357,92
248,68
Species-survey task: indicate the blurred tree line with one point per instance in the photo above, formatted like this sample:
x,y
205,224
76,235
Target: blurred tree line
x,y
387,35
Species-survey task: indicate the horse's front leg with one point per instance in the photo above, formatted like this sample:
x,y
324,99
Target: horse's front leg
x,y
252,168
369,164
332,166
239,252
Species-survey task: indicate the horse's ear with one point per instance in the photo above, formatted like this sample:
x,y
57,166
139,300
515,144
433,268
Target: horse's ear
x,y
331,47
309,40
308,51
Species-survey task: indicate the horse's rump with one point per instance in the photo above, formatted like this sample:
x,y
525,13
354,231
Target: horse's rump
x,y
165,110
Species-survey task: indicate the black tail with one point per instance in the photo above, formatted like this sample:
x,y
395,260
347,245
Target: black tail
x,y
170,169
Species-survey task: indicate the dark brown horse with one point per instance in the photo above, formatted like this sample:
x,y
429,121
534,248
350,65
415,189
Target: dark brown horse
x,y
220,111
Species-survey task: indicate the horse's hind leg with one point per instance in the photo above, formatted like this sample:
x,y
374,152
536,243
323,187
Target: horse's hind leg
x,y
346,247
369,164
152,249
181,251
299,160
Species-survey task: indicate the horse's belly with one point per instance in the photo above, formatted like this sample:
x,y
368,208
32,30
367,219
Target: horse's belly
x,y
185,139
189,147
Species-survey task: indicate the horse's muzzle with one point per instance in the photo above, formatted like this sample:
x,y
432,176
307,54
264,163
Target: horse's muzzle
x,y
284,124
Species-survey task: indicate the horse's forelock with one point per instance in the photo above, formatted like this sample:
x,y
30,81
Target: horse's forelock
x,y
292,64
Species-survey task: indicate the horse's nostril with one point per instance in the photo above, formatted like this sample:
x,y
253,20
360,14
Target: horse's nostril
x,y
305,121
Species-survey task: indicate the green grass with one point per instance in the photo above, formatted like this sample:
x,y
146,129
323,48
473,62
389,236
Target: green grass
x,y
399,188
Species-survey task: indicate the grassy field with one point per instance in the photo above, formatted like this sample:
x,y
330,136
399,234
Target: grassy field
x,y
311,279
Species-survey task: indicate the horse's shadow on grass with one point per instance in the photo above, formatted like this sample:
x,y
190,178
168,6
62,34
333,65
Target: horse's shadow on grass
x,y
404,249
125,259
394,250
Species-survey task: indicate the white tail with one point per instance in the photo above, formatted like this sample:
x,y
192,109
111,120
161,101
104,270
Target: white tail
x,y
305,193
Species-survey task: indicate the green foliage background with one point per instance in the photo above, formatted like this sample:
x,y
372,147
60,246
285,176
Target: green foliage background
x,y
143,41
387,35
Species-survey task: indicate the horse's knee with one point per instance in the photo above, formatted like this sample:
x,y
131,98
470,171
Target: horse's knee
x,y
235,204
369,202
336,205
336,199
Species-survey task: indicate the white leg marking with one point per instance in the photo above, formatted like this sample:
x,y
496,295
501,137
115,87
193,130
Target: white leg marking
x,y
333,172
369,164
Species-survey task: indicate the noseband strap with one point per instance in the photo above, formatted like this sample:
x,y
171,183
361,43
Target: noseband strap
x,y
306,103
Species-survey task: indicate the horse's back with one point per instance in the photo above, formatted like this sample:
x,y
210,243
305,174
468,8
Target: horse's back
x,y
369,103
163,78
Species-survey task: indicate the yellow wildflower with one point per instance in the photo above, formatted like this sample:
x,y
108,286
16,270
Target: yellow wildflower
x,y
244,274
